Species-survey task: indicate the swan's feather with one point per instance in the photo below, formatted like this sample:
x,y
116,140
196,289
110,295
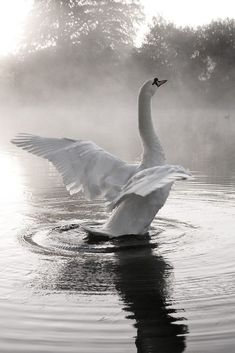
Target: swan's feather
x,y
149,180
82,164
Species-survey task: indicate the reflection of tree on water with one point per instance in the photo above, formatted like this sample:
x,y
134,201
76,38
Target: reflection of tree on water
x,y
142,284
142,280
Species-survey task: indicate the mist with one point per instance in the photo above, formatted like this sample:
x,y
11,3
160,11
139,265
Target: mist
x,y
155,273
84,84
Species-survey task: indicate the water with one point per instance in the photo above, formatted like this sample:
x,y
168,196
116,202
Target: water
x,y
61,291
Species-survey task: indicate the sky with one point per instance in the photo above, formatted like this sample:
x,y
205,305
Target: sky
x,y
190,12
182,12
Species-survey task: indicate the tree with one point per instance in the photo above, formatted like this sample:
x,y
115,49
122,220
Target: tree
x,y
86,24
216,45
200,60
170,48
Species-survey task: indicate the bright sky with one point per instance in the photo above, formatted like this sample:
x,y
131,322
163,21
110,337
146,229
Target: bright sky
x,y
12,15
182,12
190,12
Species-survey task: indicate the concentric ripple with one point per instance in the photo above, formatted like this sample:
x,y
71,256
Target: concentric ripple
x,y
72,240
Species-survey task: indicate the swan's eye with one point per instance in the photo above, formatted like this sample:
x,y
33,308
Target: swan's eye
x,y
155,81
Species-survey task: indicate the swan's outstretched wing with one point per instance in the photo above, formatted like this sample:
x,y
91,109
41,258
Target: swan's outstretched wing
x,y
148,180
82,164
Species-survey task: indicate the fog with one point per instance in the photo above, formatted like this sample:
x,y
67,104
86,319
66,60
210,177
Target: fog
x,y
83,92
77,74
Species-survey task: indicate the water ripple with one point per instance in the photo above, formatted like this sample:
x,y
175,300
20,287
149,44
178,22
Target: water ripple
x,y
71,239
171,290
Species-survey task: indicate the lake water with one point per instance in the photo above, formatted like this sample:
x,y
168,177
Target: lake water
x,y
172,291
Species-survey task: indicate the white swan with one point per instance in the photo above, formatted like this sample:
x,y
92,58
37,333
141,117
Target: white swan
x,y
134,192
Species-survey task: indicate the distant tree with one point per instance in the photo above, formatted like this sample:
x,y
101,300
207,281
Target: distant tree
x,y
50,23
69,41
216,45
200,59
94,25
170,48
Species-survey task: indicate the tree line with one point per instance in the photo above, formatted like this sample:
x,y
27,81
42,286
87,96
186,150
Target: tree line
x,y
69,41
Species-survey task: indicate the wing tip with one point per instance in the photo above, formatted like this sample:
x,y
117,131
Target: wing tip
x,y
20,138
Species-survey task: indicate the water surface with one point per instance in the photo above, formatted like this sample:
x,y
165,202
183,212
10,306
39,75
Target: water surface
x,y
61,291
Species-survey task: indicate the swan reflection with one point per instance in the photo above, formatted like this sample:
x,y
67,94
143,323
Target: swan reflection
x,y
143,281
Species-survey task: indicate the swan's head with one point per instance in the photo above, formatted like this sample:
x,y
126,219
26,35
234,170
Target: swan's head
x,y
151,86
157,82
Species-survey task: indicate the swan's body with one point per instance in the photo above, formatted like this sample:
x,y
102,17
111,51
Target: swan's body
x,y
135,193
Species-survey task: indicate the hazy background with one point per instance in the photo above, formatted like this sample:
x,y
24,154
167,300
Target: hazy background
x,y
79,65
74,68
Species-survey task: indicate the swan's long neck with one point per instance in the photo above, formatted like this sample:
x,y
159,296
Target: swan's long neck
x,y
153,153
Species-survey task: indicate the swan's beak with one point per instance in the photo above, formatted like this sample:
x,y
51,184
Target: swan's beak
x,y
159,83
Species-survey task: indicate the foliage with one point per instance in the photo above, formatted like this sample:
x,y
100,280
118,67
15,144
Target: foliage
x,y
216,45
202,58
88,25
69,41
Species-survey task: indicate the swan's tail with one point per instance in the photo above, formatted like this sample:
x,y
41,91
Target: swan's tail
x,y
149,180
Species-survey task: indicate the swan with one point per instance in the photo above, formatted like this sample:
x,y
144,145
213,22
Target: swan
x,y
134,193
